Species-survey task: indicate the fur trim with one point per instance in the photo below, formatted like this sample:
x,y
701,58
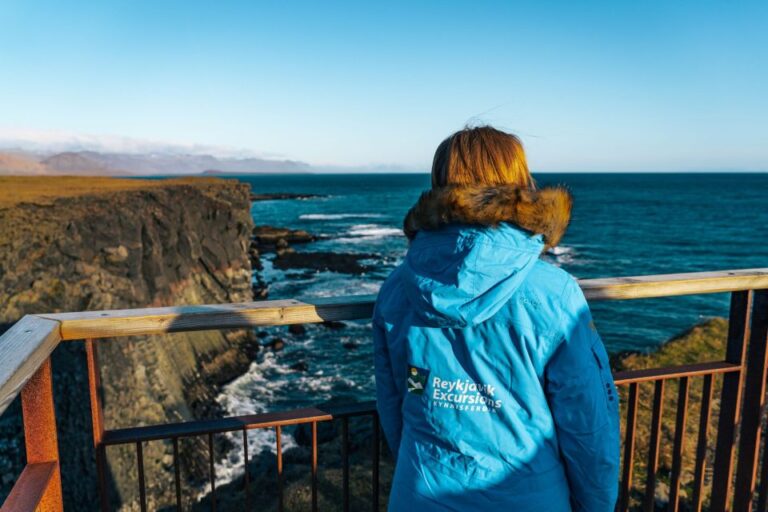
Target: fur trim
x,y
546,211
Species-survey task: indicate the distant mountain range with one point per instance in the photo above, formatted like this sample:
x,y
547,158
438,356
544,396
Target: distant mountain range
x,y
93,163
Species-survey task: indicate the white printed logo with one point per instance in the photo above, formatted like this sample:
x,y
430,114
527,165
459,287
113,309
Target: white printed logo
x,y
464,395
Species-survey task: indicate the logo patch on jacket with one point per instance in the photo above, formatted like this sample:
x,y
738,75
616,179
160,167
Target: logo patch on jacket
x,y
417,379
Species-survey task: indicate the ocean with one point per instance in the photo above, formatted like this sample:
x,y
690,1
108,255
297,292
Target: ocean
x,y
622,225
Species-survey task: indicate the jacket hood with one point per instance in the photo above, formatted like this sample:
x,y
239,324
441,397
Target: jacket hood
x,y
472,247
546,211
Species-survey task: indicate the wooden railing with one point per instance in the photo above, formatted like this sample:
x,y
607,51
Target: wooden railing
x,y
25,369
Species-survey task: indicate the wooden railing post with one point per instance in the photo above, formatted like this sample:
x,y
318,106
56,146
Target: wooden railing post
x,y
40,435
754,399
730,401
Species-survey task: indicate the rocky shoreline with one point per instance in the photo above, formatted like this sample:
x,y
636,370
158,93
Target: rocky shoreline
x,y
282,242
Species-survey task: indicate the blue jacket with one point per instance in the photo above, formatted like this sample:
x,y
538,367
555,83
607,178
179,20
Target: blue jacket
x,y
493,386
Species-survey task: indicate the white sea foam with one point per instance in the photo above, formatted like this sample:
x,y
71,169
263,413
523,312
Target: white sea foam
x,y
266,375
373,231
562,254
348,287
339,216
237,399
560,250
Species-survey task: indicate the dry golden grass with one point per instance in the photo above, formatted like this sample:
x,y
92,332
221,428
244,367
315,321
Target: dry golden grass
x,y
46,189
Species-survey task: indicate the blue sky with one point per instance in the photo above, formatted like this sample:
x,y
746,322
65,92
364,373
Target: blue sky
x,y
587,85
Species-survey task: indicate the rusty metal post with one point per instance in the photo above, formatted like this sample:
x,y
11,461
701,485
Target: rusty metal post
x,y
40,435
754,399
97,420
730,402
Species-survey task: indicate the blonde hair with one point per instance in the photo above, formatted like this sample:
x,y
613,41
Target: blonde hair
x,y
481,156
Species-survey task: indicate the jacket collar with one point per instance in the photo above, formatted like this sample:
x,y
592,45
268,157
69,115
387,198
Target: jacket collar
x,y
546,211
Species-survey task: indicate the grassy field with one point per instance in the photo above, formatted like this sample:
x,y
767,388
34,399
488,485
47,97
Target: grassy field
x,y
46,189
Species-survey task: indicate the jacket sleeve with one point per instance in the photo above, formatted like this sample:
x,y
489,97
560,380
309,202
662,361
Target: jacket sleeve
x,y
388,398
584,404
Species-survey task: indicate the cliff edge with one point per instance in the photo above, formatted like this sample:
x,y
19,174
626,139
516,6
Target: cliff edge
x,y
72,244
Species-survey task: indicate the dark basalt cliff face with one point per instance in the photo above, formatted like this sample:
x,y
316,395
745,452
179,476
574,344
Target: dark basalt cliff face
x,y
179,242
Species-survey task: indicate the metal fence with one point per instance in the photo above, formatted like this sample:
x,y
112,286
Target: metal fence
x,y
738,476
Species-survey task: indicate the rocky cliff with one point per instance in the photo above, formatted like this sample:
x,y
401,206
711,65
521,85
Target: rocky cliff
x,y
166,242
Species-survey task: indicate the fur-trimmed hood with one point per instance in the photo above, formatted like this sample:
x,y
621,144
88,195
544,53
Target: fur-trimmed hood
x,y
546,211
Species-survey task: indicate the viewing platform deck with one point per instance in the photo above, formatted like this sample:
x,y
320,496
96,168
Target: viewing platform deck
x,y
729,472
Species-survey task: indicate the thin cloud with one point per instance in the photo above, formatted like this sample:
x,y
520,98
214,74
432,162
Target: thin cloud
x,y
55,141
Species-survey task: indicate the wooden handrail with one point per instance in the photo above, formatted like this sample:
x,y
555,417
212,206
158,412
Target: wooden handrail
x,y
127,322
23,349
30,341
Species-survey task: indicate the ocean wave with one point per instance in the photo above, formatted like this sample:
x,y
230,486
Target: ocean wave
x,y
339,216
264,385
237,399
373,231
559,250
562,254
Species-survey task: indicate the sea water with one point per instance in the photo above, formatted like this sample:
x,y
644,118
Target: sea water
x,y
622,225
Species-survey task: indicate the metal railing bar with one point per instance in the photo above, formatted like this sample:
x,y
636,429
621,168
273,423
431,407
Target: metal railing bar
x,y
762,499
629,448
730,402
653,447
246,473
701,444
30,489
753,400
142,483
279,453
622,378
678,445
345,463
38,413
352,410
212,471
177,472
314,466
216,426
375,463
97,420
101,470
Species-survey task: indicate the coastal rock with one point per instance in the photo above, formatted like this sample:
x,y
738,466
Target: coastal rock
x,y
269,238
297,329
124,244
276,344
115,254
346,263
281,196
259,288
255,257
